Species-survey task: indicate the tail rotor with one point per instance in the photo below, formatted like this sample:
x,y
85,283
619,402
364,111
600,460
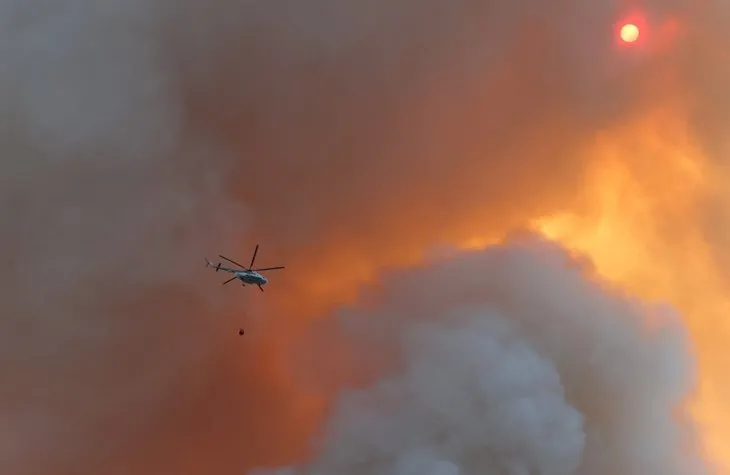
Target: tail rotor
x,y
210,264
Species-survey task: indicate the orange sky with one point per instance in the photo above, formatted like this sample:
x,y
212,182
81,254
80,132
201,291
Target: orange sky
x,y
648,182
639,232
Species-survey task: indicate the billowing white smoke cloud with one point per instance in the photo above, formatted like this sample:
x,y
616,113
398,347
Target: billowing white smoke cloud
x,y
511,361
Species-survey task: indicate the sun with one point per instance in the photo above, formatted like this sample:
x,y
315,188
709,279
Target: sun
x,y
629,33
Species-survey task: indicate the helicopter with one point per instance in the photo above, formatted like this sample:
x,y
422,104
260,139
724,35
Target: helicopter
x,y
247,275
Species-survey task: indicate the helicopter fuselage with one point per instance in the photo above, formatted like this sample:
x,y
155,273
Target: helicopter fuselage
x,y
251,277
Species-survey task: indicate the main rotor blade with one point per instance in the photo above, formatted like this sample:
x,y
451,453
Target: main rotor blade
x,y
256,249
268,268
231,261
229,280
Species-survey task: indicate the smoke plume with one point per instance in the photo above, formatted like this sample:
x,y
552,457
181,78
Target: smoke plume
x,y
343,136
509,361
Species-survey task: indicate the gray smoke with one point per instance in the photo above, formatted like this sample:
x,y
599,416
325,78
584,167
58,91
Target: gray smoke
x,y
510,361
137,137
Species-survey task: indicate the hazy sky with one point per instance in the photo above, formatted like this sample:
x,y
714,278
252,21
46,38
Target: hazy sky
x,y
343,136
